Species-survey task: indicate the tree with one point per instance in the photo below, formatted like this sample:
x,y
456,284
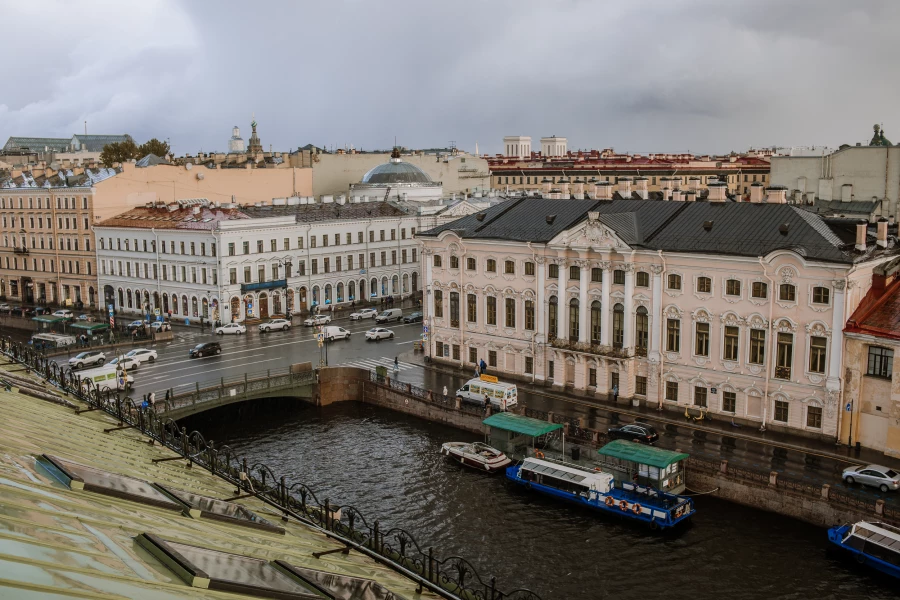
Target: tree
x,y
154,146
118,152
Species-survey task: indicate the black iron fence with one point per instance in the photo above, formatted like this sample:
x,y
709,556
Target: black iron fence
x,y
451,577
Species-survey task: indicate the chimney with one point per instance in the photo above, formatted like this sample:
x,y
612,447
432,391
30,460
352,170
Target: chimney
x,y
665,184
545,182
676,195
694,184
717,191
604,190
690,196
196,210
564,187
578,188
640,185
756,192
861,227
882,232
625,187
592,187
776,194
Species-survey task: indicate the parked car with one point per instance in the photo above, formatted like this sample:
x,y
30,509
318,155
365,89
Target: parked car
x,y
335,333
125,362
65,314
40,310
160,326
379,333
89,357
365,313
142,355
235,328
135,325
885,479
205,349
275,325
22,311
415,317
86,318
317,320
17,310
4,307
391,314
636,432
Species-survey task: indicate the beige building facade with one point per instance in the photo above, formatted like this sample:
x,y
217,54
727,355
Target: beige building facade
x,y
676,304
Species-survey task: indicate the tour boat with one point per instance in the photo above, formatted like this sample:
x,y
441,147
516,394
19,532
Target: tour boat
x,y
872,543
477,455
596,490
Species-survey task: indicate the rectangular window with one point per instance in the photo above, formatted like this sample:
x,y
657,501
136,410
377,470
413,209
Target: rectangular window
x,y
759,290
312,241
414,257
393,234
381,235
359,237
729,402
455,346
372,260
781,411
619,277
574,273
473,356
597,275
350,262
371,236
592,377
529,269
383,258
553,271
326,264
700,396
509,267
314,266
349,238
393,257
733,287
492,358
672,391
454,309
529,315
732,343
529,365
471,308
757,346
470,264
704,285
787,292
510,312
246,247
232,276
337,239
324,240
642,279
814,417
701,344
817,348
246,274
337,264
438,304
491,318
821,295
640,385
784,356
299,243
491,265
881,362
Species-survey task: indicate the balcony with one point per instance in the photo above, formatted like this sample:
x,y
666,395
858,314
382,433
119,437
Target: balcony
x,y
20,250
782,372
588,348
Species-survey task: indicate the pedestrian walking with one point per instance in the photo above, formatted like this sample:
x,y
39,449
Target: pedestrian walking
x,y
152,399
445,392
487,402
168,395
483,366
396,364
615,393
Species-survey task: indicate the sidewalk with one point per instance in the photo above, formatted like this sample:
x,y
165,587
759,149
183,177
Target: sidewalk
x,y
718,425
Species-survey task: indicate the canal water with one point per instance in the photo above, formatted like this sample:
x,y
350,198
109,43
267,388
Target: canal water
x,y
389,466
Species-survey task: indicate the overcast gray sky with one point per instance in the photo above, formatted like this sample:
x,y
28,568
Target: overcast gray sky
x,y
640,76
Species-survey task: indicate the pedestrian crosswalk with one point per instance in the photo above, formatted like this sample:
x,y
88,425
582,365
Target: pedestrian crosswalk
x,y
371,363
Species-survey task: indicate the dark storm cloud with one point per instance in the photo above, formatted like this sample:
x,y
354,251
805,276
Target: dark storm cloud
x,y
702,75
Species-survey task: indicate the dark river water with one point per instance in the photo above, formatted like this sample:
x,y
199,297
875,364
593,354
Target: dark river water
x,y
389,466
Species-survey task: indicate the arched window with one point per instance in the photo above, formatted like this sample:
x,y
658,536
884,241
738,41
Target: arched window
x,y
373,288
415,282
384,286
395,285
129,299
121,298
184,304
618,329
641,331
406,283
552,314
174,304
573,320
327,293
596,321
351,290
340,292
194,311
315,295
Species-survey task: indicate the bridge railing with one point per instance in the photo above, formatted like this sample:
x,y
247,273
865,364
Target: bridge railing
x,y
452,576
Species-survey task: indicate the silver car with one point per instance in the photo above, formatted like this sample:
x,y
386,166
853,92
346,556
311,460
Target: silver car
x,y
885,479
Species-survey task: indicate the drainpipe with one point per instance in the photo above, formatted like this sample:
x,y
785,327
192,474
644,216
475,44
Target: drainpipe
x,y
462,327
840,402
660,393
768,343
158,288
534,335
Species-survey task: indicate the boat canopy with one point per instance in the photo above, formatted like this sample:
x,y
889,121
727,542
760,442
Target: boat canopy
x,y
589,479
47,319
520,424
641,454
882,534
90,326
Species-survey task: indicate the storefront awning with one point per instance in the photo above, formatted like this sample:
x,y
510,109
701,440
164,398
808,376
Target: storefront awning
x,y
90,326
520,424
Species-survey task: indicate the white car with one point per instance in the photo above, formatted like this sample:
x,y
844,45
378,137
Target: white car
x,y
275,325
5,307
157,326
142,355
235,328
126,362
65,314
332,333
379,333
89,357
366,313
317,320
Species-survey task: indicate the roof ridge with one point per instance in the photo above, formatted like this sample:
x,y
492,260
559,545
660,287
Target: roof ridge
x,y
511,206
666,223
868,310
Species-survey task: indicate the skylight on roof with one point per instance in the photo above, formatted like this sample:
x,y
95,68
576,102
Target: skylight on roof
x,y
198,506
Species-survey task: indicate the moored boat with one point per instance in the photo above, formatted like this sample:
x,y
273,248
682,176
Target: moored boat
x,y
476,455
871,543
596,490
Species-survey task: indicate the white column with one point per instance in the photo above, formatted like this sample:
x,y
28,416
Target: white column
x,y
584,311
562,326
605,309
656,318
427,257
628,328
832,382
541,322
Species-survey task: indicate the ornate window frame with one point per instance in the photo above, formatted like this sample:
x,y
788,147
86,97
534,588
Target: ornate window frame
x,y
809,296
673,293
696,280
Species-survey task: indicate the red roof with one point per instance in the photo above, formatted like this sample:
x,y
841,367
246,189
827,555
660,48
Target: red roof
x,y
879,313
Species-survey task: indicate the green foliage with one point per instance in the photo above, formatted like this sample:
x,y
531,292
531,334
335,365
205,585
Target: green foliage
x,y
119,152
154,146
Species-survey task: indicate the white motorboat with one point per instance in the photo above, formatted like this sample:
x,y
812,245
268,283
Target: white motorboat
x,y
476,455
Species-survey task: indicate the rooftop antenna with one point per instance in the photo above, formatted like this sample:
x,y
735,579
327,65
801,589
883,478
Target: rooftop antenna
x,y
85,128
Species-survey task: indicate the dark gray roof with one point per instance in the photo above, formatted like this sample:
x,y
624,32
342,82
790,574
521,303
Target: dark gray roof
x,y
331,211
854,209
37,144
735,228
396,172
95,143
151,160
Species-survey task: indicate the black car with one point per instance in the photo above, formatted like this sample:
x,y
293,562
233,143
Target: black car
x,y
206,349
415,317
636,432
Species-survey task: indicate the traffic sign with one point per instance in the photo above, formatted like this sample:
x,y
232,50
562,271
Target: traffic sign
x,y
425,328
156,312
320,337
847,408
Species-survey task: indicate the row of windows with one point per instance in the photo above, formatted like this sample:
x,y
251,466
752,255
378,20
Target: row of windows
x,y
528,179
49,265
61,203
182,247
272,246
38,242
780,414
340,263
45,222
787,292
151,271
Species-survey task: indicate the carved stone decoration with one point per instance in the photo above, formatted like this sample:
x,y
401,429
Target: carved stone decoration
x,y
700,360
813,378
787,274
628,267
785,325
729,365
605,265
701,315
672,356
656,269
839,284
755,369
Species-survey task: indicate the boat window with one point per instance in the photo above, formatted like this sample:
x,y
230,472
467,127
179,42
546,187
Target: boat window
x,y
876,550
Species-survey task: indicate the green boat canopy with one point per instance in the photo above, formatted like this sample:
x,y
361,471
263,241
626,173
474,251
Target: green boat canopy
x,y
639,453
90,326
520,424
47,319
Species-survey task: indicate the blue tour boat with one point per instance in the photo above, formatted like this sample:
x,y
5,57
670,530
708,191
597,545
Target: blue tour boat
x,y
596,490
871,543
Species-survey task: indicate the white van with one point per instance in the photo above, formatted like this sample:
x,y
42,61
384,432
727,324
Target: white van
x,y
391,314
107,377
487,385
333,332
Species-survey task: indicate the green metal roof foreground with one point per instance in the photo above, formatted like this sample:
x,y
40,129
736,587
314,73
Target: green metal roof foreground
x,y
61,536
90,326
47,319
639,453
520,424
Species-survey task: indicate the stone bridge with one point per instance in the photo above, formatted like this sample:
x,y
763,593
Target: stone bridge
x,y
282,383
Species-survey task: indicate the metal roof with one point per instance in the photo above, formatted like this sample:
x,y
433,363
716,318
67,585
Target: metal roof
x,y
396,171
520,424
641,454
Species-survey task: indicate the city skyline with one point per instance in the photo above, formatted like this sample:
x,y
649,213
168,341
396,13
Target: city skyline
x,y
676,77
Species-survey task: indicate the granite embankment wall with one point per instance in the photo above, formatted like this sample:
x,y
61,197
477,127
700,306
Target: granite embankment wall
x,y
819,505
